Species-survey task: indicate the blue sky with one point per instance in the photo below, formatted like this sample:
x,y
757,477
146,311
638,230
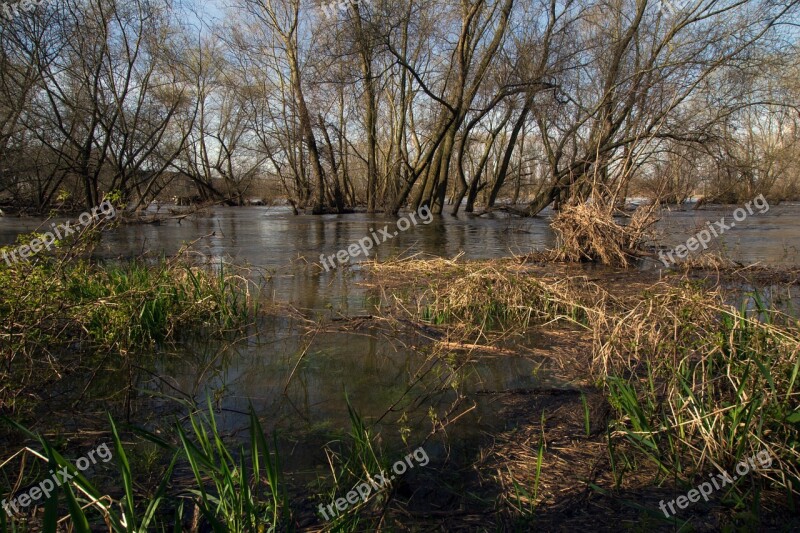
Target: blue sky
x,y
208,10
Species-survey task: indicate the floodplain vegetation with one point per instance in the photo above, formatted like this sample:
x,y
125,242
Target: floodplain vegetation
x,y
666,380
682,385
675,378
65,316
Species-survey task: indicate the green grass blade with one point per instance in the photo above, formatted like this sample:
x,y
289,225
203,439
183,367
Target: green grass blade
x,y
158,497
125,471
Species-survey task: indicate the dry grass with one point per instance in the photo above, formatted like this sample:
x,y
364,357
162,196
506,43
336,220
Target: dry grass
x,y
588,232
725,268
696,385
713,384
485,299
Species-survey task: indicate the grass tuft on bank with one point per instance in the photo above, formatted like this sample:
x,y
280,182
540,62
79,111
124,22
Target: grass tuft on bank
x,y
58,307
231,489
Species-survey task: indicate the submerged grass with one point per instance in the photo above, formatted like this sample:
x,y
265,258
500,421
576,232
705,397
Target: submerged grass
x,y
231,487
485,297
139,305
358,458
238,502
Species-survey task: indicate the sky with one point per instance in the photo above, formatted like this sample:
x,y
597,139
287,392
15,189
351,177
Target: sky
x,y
208,10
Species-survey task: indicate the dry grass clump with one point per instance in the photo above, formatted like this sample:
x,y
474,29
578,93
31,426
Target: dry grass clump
x,y
723,267
655,326
709,261
700,386
588,232
485,296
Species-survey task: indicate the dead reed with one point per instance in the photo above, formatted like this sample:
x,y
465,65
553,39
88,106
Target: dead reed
x,y
483,299
588,232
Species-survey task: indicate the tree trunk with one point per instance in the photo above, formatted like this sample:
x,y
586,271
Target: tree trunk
x,y
308,136
371,111
512,142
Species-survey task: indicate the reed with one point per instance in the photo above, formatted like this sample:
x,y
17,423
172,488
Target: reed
x,y
588,232
86,506
356,460
234,488
237,500
699,385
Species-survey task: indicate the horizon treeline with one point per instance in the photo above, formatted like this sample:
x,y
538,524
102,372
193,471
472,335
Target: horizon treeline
x,y
402,103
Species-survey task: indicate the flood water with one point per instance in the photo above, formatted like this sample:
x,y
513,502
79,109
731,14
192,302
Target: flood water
x,y
297,379
272,237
